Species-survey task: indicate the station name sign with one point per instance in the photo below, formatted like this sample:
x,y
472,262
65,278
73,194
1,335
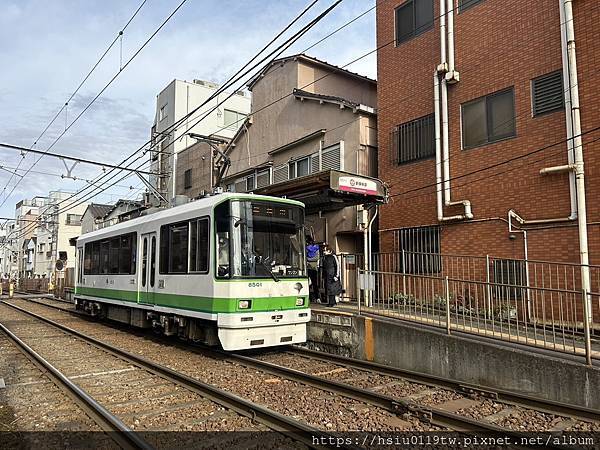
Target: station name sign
x,y
357,185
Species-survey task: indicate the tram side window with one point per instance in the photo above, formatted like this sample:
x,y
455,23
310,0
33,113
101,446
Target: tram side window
x,y
174,248
222,222
127,254
104,257
87,259
95,258
199,245
114,256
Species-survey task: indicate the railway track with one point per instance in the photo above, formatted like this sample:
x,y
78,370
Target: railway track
x,y
190,402
443,403
118,431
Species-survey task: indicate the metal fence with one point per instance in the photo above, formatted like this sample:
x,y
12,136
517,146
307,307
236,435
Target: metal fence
x,y
534,303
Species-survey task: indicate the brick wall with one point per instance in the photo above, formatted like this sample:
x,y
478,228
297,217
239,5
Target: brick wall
x,y
499,44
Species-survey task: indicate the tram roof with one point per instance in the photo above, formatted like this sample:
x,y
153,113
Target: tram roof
x,y
181,210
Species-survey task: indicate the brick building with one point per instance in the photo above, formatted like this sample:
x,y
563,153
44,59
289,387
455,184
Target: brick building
x,y
507,121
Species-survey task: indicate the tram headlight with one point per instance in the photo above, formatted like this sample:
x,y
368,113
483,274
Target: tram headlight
x,y
300,301
244,304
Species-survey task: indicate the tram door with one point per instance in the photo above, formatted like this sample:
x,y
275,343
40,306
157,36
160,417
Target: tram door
x,y
148,270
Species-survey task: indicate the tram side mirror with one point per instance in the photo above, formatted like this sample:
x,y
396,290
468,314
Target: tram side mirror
x,y
239,222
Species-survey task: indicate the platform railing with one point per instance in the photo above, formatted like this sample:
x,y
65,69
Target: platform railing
x,y
533,303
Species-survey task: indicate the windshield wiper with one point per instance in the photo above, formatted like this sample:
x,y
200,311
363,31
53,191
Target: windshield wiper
x,y
268,269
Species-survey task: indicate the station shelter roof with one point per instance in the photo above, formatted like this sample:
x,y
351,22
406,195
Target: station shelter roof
x,y
329,190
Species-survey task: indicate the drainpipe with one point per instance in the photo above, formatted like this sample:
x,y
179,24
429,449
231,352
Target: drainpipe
x,y
567,5
443,67
568,93
512,214
366,261
370,249
442,146
568,109
438,146
452,76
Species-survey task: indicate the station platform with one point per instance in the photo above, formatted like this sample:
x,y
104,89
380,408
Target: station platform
x,y
459,355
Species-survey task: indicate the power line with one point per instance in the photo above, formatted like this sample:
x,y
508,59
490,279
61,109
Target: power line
x,y
72,158
233,78
110,46
15,170
102,90
414,94
501,163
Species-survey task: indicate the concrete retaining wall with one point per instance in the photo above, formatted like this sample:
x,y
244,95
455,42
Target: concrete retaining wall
x,y
398,344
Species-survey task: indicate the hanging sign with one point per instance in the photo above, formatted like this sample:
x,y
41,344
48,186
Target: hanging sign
x,y
357,185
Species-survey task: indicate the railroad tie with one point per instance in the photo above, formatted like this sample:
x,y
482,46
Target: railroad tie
x,y
492,418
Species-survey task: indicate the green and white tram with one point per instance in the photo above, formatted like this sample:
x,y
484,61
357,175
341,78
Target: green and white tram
x,y
227,268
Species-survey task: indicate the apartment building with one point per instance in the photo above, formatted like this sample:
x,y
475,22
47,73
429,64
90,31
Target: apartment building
x,y
311,136
23,237
39,235
54,230
174,103
478,127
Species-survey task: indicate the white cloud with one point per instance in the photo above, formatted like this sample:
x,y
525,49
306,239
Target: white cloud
x,y
52,45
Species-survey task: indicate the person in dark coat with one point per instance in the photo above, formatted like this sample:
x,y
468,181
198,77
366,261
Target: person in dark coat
x,y
329,266
312,263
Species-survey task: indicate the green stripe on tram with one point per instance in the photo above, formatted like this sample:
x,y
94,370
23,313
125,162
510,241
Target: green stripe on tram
x,y
194,303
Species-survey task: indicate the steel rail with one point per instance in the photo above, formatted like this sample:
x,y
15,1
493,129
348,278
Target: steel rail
x,y
278,422
113,426
396,406
431,414
505,396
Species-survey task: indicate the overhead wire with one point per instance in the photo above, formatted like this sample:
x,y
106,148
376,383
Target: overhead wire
x,y
110,46
463,174
235,78
121,69
71,205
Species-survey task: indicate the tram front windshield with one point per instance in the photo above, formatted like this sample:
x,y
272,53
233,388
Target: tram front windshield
x,y
264,240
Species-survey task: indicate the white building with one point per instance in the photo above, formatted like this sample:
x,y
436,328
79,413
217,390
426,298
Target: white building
x,y
8,257
39,235
54,230
177,100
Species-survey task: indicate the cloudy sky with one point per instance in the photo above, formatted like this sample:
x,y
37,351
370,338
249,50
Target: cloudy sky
x,y
49,46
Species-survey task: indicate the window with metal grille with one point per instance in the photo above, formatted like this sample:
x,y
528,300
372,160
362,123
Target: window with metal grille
x,y
509,278
489,119
547,93
263,178
280,174
331,158
413,141
314,163
466,4
420,247
413,18
187,179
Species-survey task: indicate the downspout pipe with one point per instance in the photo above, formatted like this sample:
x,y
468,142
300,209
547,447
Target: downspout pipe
x,y
568,108
438,147
513,215
442,145
440,183
452,76
573,83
